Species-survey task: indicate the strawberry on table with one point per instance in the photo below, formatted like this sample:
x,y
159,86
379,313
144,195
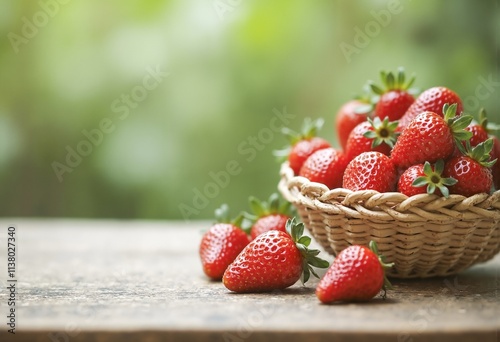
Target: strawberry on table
x,y
472,170
325,166
430,137
270,215
275,260
302,144
222,243
357,274
394,97
431,100
370,171
425,179
371,135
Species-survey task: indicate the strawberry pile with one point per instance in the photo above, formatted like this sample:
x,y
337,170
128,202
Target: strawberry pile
x,y
391,140
269,254
394,141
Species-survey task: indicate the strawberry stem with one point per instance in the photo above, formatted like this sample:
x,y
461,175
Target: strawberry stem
x,y
387,284
309,256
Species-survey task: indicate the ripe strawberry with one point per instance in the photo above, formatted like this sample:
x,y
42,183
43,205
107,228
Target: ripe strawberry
x,y
269,215
275,260
424,178
221,244
302,144
431,100
371,135
472,170
370,171
430,137
325,166
357,274
349,115
395,99
495,169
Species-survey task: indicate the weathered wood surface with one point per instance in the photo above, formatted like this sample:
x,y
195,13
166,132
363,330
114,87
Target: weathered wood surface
x,y
87,280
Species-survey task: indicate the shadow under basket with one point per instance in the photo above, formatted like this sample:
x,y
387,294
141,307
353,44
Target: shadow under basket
x,y
424,235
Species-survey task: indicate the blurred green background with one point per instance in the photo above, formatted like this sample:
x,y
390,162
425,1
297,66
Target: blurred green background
x,y
164,109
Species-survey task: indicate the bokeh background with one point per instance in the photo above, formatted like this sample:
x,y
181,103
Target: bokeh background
x,y
222,69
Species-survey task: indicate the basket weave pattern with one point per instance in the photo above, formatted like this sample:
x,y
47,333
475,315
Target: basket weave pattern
x,y
424,235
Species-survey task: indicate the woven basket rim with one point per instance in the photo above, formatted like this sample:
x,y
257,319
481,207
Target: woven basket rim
x,y
300,190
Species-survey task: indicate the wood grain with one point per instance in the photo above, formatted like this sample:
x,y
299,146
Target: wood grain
x,y
89,280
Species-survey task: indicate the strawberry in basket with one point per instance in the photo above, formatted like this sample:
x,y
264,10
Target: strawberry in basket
x,y
302,144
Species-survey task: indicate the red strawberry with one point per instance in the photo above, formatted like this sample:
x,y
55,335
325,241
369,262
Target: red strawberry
x,y
424,178
472,170
395,98
302,144
431,100
495,169
430,137
221,244
357,274
349,115
371,135
370,171
275,260
325,166
269,215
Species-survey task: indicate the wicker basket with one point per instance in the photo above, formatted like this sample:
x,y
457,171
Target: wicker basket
x,y
424,235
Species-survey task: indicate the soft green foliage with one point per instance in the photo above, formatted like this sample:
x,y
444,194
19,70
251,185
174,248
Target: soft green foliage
x,y
204,131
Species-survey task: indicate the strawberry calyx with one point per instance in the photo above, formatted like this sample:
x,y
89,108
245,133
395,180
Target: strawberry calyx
x,y
489,127
309,256
222,216
481,153
457,124
433,180
392,81
384,131
372,245
368,101
269,207
309,130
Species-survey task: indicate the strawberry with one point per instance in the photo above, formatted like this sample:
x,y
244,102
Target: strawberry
x,y
495,169
430,137
275,260
349,115
221,244
371,135
325,166
472,170
357,274
424,178
370,171
269,215
302,144
431,100
395,98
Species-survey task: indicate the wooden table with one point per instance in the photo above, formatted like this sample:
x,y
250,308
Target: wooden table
x,y
88,280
